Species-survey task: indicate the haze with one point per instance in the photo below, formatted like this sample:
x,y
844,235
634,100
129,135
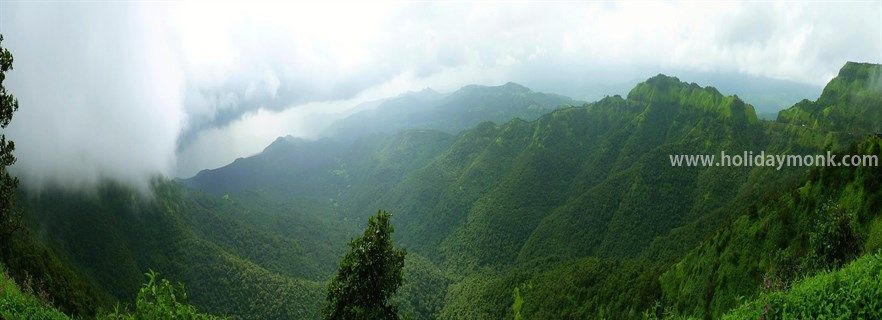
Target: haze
x,y
127,91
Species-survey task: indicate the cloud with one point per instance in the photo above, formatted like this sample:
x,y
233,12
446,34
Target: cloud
x,y
126,90
99,97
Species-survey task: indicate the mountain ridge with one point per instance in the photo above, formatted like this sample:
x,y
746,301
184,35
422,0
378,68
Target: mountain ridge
x,y
450,112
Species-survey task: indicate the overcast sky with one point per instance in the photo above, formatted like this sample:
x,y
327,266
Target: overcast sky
x,y
128,90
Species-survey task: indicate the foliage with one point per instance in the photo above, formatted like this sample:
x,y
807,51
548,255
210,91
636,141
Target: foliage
x,y
20,303
159,299
849,293
817,224
423,289
231,267
10,219
39,269
481,295
587,288
369,275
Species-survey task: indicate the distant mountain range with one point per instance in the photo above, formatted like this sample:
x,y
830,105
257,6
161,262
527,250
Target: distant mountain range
x,y
451,112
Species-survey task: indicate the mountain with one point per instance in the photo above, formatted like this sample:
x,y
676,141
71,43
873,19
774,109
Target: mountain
x,y
769,246
317,176
493,205
450,113
501,196
577,212
768,95
582,176
849,103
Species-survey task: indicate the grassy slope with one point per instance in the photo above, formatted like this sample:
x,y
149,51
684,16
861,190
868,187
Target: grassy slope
x,y
851,292
18,304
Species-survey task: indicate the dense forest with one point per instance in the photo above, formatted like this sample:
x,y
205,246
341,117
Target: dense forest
x,y
509,204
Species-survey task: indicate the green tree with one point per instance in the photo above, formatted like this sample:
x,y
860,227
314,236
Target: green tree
x,y
10,219
368,276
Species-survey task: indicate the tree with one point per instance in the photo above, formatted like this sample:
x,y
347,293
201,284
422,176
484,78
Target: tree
x,y
10,219
368,276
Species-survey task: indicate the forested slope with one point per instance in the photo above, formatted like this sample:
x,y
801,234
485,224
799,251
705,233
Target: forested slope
x,y
576,213
115,234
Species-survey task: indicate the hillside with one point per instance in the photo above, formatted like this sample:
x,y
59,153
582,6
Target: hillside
x,y
851,292
116,234
822,222
16,303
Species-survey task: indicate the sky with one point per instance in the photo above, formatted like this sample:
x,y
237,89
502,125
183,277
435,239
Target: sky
x,y
129,90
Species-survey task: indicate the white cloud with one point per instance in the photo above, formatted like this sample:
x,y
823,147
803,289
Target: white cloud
x,y
98,97
196,84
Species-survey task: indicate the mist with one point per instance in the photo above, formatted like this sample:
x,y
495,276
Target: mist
x,y
131,90
99,98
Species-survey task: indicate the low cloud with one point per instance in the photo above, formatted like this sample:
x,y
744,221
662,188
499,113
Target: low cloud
x,y
128,90
99,98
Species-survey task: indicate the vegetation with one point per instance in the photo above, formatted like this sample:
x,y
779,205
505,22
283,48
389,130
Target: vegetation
x,y
114,234
159,299
492,208
573,214
821,223
22,303
369,275
849,293
37,268
10,219
849,103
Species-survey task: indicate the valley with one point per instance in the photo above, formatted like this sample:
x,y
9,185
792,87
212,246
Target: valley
x,y
510,204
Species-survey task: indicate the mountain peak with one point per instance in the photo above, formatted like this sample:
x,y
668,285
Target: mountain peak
x,y
858,70
515,86
849,103
424,92
662,87
282,142
507,87
428,90
662,91
663,79
855,81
